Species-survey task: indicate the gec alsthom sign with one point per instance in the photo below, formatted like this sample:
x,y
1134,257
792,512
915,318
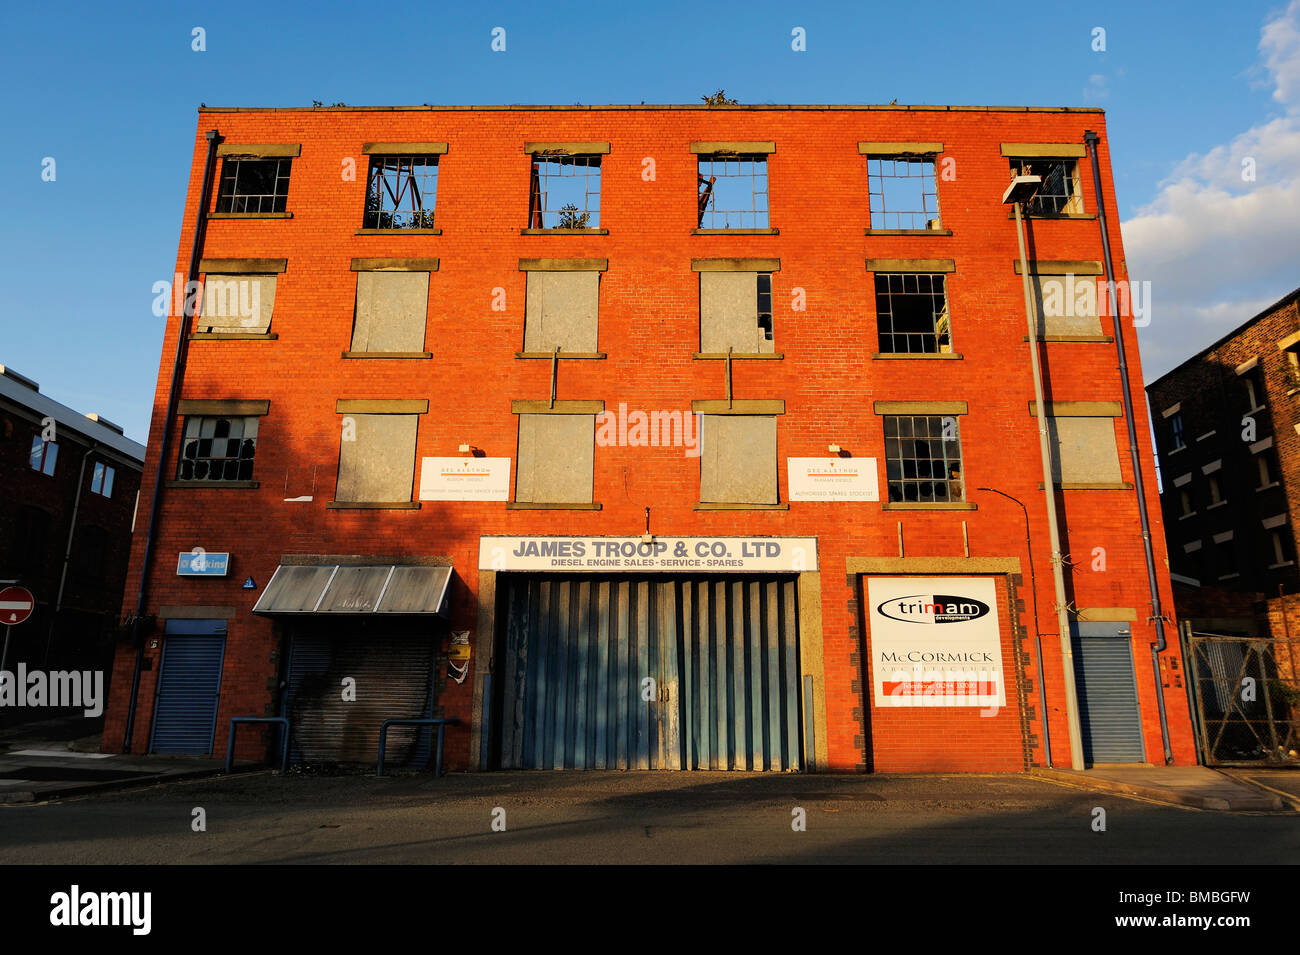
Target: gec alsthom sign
x,y
605,554
935,641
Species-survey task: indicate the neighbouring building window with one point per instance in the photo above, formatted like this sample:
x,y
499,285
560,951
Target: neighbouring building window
x,y
401,192
28,551
94,550
1085,449
736,313
912,312
44,456
1283,546
560,311
218,449
1253,393
101,479
1225,558
732,192
738,459
901,192
1216,493
237,303
253,185
1059,193
565,192
376,458
1293,366
556,458
392,310
1265,466
923,458
1176,438
1185,502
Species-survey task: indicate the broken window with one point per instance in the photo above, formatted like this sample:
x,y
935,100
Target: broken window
x,y
45,454
401,192
101,481
1185,502
736,313
565,192
1059,192
733,192
217,449
923,458
912,312
901,192
253,185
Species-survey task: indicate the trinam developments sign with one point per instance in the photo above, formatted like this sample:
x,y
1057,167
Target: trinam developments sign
x,y
935,642
712,554
832,479
464,479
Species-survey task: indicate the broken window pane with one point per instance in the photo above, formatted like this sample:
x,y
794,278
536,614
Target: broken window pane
x,y
912,312
253,185
1059,192
565,193
923,458
401,192
733,192
218,449
902,193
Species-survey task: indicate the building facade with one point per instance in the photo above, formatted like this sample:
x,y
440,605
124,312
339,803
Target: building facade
x,y
1228,433
68,486
645,437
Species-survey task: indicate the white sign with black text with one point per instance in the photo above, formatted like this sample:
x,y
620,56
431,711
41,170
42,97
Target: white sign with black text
x,y
464,479
711,554
832,479
935,641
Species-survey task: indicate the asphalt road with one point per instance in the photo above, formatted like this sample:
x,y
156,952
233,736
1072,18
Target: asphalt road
x,y
632,818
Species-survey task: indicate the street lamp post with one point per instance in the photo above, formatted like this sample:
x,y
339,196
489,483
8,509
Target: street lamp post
x,y
1020,191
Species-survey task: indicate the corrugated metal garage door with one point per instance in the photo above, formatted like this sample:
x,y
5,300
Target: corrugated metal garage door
x,y
394,678
1109,717
189,685
576,652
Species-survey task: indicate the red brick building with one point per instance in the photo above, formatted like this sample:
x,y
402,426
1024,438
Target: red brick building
x,y
719,389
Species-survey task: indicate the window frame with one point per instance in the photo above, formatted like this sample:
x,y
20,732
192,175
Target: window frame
x,y
1070,204
49,456
942,318
198,419
539,193
901,482
932,160
230,201
101,479
425,219
706,192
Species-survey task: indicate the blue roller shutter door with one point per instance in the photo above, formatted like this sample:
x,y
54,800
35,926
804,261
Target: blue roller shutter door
x,y
189,687
1109,716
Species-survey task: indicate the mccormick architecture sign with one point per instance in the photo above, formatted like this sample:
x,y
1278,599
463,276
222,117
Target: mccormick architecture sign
x,y
935,641
683,554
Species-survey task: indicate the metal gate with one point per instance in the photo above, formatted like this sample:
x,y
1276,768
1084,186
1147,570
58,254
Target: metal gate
x,y
189,686
1109,716
394,678
1246,712
655,672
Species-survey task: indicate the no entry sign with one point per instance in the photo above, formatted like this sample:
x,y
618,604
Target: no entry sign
x,y
16,605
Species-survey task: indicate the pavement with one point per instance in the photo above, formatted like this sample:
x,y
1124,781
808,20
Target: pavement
x,y
57,758
1198,786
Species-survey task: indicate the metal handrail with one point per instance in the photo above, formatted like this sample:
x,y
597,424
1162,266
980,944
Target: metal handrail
x,y
284,748
440,722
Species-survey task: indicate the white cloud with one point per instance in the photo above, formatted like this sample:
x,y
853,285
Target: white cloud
x,y
1216,245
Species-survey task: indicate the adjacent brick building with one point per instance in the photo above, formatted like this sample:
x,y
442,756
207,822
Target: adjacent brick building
x,y
566,423
1227,425
68,485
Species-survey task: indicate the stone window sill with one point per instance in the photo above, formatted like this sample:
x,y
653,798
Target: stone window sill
x,y
539,506
589,355
735,232
1053,215
899,355
373,505
250,215
1181,517
1210,507
398,232
737,356
1269,486
870,231
1091,486
245,485
564,232
1077,339
387,354
1230,576
233,336
719,506
928,506
1285,563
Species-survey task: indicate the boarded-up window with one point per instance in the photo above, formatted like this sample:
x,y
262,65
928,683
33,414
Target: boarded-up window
x,y
392,308
738,459
237,304
561,311
1066,304
376,458
556,458
1086,452
732,312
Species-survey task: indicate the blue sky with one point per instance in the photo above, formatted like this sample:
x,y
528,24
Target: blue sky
x,y
110,93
